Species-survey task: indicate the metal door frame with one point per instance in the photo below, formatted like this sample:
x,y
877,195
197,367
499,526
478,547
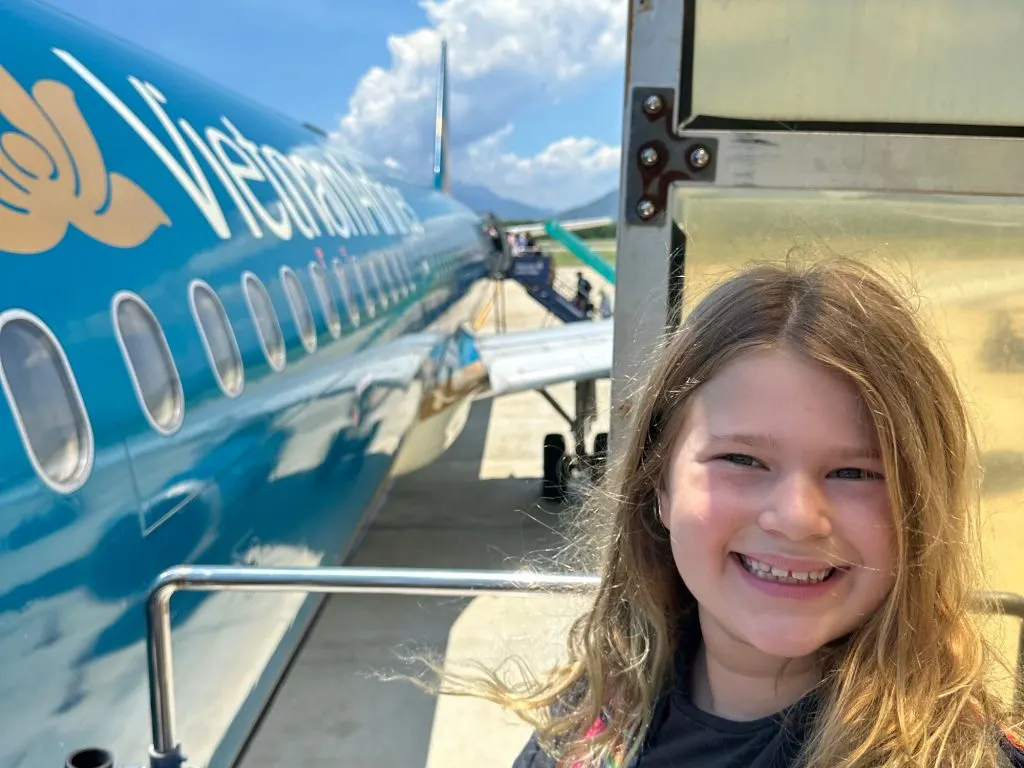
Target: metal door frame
x,y
665,147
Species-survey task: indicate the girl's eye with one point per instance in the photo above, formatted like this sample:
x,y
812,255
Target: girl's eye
x,y
740,459
852,473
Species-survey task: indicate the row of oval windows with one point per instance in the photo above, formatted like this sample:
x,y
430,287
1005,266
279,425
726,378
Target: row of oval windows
x,y
47,405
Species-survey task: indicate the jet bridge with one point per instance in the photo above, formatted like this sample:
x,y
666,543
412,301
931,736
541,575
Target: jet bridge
x,y
888,132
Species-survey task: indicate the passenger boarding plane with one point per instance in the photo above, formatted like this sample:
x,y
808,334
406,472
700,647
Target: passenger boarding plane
x,y
221,335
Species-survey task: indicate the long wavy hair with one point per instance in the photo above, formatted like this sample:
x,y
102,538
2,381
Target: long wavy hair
x,y
910,686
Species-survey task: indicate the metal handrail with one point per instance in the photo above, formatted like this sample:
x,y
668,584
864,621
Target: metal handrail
x,y
166,752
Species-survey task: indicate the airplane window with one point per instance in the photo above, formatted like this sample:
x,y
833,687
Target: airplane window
x,y
150,363
389,275
406,269
393,262
383,276
402,267
218,338
375,276
346,293
45,401
357,271
323,293
301,312
263,315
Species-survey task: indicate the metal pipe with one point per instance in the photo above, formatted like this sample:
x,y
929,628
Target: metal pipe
x,y
556,405
166,751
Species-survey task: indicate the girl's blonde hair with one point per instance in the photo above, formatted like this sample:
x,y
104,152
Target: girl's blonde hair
x,y
908,687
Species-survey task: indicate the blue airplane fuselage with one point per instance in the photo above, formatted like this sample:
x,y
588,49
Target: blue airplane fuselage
x,y
142,426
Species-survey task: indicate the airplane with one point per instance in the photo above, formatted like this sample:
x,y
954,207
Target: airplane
x,y
222,335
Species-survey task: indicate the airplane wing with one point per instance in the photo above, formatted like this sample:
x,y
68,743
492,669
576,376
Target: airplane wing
x,y
573,225
532,359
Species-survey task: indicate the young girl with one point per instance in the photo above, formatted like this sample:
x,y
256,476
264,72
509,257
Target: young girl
x,y
789,571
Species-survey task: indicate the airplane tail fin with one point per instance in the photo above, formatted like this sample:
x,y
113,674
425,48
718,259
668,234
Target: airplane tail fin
x,y
442,183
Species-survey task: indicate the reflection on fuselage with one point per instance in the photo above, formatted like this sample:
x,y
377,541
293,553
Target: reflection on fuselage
x,y
221,334
282,474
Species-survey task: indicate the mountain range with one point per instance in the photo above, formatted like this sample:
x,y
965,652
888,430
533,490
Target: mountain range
x,y
483,200
606,205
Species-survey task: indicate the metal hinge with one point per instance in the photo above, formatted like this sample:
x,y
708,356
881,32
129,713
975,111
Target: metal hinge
x,y
659,157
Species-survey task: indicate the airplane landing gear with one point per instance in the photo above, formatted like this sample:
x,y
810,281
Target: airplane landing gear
x,y
568,475
600,454
555,483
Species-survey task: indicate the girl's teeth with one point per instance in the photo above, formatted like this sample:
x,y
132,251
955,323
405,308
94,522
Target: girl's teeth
x,y
772,573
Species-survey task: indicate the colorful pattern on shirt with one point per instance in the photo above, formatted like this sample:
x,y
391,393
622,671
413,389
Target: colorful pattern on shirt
x,y
618,758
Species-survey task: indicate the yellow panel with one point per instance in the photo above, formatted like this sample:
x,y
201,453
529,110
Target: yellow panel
x,y
942,61
965,258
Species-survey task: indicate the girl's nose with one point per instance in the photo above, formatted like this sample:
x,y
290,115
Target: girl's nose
x,y
798,509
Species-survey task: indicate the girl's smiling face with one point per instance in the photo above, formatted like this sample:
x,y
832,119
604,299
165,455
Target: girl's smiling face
x,y
776,504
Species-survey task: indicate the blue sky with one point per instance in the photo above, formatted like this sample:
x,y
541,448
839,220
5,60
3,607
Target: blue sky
x,y
536,85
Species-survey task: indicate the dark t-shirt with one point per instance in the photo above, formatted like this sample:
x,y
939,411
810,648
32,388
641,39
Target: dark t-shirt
x,y
686,736
682,735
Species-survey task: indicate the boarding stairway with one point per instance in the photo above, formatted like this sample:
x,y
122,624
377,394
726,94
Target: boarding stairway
x,y
534,271
580,250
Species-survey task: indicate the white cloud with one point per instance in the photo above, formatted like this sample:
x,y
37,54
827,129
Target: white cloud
x,y
503,56
567,172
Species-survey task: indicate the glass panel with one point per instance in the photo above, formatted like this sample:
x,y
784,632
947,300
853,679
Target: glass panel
x,y
219,338
267,325
43,395
301,311
405,271
150,363
370,268
394,261
346,293
964,259
388,278
323,293
920,61
364,292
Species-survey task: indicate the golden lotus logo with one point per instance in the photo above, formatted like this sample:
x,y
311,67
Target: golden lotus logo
x,y
52,175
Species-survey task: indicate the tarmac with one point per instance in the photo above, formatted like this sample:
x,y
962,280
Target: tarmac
x,y
476,507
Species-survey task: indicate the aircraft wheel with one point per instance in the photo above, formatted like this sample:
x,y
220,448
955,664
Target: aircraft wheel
x,y
600,455
553,485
